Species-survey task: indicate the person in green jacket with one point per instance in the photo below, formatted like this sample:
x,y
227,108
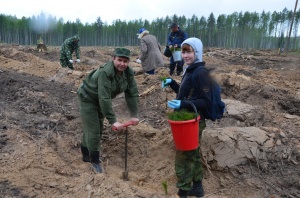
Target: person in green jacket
x,y
69,46
95,96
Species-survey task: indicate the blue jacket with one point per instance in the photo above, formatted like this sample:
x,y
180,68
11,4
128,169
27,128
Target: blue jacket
x,y
177,38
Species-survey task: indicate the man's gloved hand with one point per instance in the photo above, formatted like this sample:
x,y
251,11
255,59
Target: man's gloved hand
x,y
118,126
78,60
165,83
174,104
138,61
71,61
135,121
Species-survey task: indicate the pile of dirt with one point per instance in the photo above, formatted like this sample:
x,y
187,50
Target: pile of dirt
x,y
254,150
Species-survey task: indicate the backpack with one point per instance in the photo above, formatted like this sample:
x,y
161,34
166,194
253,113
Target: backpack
x,y
218,106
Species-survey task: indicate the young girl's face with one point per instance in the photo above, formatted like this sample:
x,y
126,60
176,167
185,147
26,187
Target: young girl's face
x,y
188,54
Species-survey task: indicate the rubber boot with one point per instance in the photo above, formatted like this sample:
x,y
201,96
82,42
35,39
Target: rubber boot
x,y
197,189
85,154
95,161
182,193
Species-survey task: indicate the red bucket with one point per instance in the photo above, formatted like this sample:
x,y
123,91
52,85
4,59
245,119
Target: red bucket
x,y
185,134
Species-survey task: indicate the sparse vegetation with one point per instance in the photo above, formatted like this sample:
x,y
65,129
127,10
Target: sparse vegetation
x,y
162,78
181,115
165,186
175,49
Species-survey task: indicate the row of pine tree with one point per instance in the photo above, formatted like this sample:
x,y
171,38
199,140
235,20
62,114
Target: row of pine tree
x,y
266,30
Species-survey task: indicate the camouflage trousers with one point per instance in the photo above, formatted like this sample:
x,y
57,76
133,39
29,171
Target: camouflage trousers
x,y
92,120
64,61
188,166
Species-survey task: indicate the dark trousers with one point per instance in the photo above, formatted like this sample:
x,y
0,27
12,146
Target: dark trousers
x,y
173,65
64,61
151,71
92,120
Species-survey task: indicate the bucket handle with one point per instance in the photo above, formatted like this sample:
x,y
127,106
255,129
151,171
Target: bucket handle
x,y
194,107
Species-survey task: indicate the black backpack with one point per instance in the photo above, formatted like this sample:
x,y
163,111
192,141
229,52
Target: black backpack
x,y
217,109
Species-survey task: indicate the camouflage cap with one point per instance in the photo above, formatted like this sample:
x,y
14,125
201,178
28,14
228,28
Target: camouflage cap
x,y
76,37
122,52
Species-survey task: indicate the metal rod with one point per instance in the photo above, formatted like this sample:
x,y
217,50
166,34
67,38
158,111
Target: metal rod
x,y
126,152
126,139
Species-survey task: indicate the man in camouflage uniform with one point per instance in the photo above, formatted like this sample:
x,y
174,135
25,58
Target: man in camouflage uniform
x,y
95,96
68,47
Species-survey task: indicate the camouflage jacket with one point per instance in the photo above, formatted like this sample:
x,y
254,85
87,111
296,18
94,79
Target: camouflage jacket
x,y
103,84
68,47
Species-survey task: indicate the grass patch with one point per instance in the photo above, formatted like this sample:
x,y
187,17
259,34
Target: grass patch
x,y
165,187
163,78
181,115
175,49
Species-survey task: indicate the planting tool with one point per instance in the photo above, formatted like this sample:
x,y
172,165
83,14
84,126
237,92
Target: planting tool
x,y
126,125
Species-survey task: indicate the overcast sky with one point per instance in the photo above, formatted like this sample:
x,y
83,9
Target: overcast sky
x,y
108,10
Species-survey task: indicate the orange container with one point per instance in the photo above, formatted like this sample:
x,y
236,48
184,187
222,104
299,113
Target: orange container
x,y
185,134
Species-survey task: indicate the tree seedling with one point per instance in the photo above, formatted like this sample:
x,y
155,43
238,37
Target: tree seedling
x,y
181,115
163,79
165,186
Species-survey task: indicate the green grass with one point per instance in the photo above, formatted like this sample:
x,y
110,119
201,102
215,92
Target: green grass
x,y
165,186
181,115
175,49
162,78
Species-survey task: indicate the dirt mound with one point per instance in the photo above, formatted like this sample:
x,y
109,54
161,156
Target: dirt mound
x,y
254,150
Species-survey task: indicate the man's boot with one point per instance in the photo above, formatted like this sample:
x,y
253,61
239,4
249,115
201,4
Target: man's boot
x,y
197,189
182,194
96,161
85,154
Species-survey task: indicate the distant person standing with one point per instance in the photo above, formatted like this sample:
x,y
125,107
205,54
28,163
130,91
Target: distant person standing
x,y
69,46
150,52
41,46
175,39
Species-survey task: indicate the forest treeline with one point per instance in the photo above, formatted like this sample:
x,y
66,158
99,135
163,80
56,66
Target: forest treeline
x,y
266,30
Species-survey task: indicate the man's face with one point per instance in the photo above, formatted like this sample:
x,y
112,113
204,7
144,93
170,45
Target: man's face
x,y
121,63
175,29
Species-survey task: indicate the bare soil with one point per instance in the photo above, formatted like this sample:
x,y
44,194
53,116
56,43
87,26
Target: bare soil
x,y
254,151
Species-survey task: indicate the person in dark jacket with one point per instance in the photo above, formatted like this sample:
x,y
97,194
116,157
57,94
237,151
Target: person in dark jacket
x,y
95,97
195,87
175,39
